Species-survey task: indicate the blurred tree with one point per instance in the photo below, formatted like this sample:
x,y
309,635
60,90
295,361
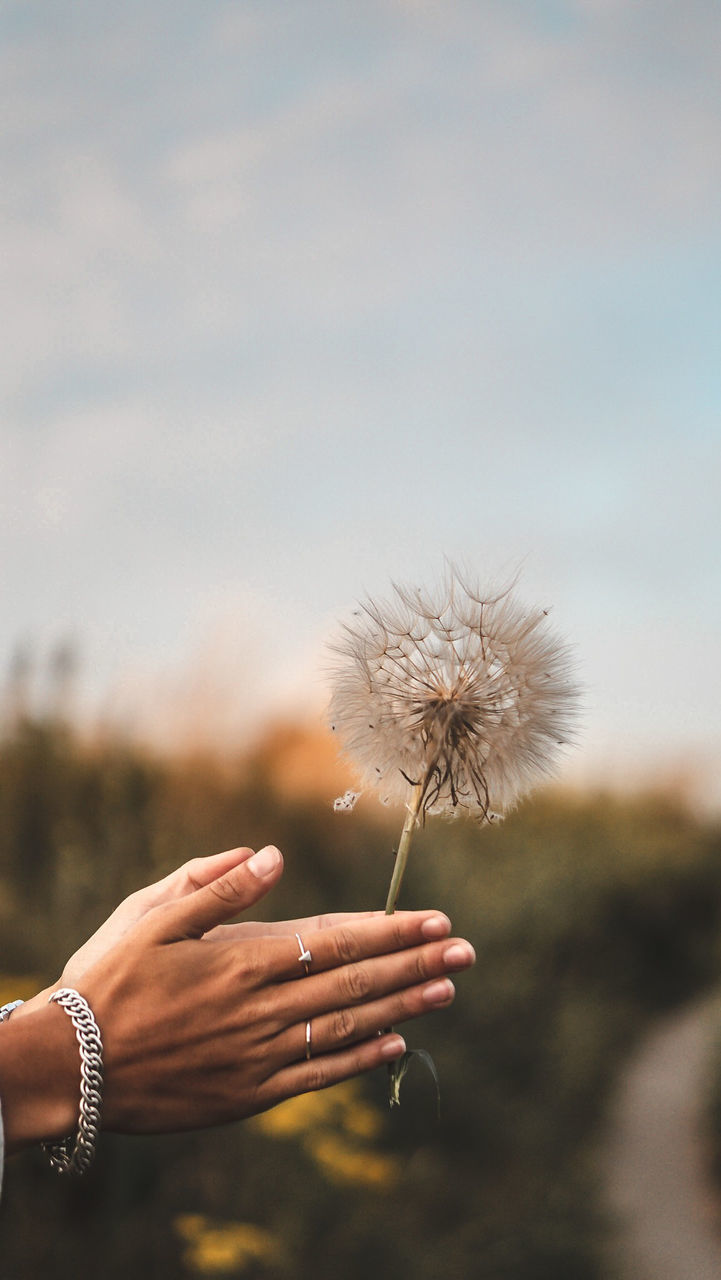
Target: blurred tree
x,y
63,665
588,917
16,700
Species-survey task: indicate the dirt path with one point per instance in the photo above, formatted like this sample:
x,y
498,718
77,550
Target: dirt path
x,y
656,1182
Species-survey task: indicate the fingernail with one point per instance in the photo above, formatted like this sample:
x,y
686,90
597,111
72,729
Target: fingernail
x,y
264,862
439,992
459,955
436,927
393,1047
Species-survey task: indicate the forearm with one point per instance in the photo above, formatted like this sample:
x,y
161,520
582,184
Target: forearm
x,y
39,1077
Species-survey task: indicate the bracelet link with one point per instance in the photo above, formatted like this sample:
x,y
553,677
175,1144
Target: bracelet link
x,y
6,1009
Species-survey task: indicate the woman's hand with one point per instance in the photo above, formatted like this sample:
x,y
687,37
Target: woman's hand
x,y
201,1026
204,1022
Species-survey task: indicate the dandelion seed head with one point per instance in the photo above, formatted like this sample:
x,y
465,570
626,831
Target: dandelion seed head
x,y
469,696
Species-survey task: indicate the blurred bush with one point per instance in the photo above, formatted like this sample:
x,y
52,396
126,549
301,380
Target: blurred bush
x,y
589,916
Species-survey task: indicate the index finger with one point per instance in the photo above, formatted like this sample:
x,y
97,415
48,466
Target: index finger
x,y
287,928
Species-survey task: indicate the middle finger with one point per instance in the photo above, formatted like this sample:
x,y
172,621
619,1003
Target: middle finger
x,y
283,958
371,979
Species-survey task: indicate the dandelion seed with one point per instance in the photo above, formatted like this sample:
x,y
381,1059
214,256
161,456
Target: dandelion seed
x,y
346,802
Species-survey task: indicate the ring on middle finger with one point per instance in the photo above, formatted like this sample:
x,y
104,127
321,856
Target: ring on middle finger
x,y
305,957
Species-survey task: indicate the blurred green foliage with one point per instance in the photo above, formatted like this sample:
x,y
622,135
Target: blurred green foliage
x,y
588,916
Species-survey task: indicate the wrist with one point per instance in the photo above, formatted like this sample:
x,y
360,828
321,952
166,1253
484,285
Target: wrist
x,y
39,1077
38,1001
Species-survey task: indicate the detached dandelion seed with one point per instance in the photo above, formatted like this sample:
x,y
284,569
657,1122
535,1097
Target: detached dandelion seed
x,y
451,701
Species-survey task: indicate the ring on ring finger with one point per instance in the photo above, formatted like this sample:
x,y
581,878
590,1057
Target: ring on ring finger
x,y
328,1032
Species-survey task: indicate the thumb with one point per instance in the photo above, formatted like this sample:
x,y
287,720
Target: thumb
x,y
234,891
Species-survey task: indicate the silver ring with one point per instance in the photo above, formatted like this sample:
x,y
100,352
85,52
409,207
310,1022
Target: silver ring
x,y
307,1039
305,957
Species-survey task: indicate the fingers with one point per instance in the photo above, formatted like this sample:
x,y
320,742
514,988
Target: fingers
x,y
196,874
344,1027
331,1068
237,888
349,1039
348,992
351,942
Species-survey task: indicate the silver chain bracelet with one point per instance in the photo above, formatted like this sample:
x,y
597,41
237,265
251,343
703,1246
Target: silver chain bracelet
x,y
6,1009
75,1153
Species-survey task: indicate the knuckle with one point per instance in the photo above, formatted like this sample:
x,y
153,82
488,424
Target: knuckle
x,y
410,1005
156,921
400,939
190,874
227,886
347,946
319,1076
356,982
266,1025
140,900
251,967
344,1025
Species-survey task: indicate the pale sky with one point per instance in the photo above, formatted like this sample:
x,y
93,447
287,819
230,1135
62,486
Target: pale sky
x,y
300,297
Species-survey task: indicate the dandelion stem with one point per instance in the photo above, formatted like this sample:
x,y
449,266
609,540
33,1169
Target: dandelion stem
x,y
404,846
396,1070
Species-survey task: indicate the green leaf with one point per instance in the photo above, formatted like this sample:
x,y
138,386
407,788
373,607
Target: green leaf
x,y
398,1070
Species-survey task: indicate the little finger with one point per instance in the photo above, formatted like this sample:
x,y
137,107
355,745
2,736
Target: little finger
x,y
309,1075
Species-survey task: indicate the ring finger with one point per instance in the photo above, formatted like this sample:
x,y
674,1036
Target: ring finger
x,y
329,1032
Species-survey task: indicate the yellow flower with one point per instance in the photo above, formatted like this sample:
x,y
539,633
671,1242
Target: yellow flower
x,y
217,1247
336,1128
